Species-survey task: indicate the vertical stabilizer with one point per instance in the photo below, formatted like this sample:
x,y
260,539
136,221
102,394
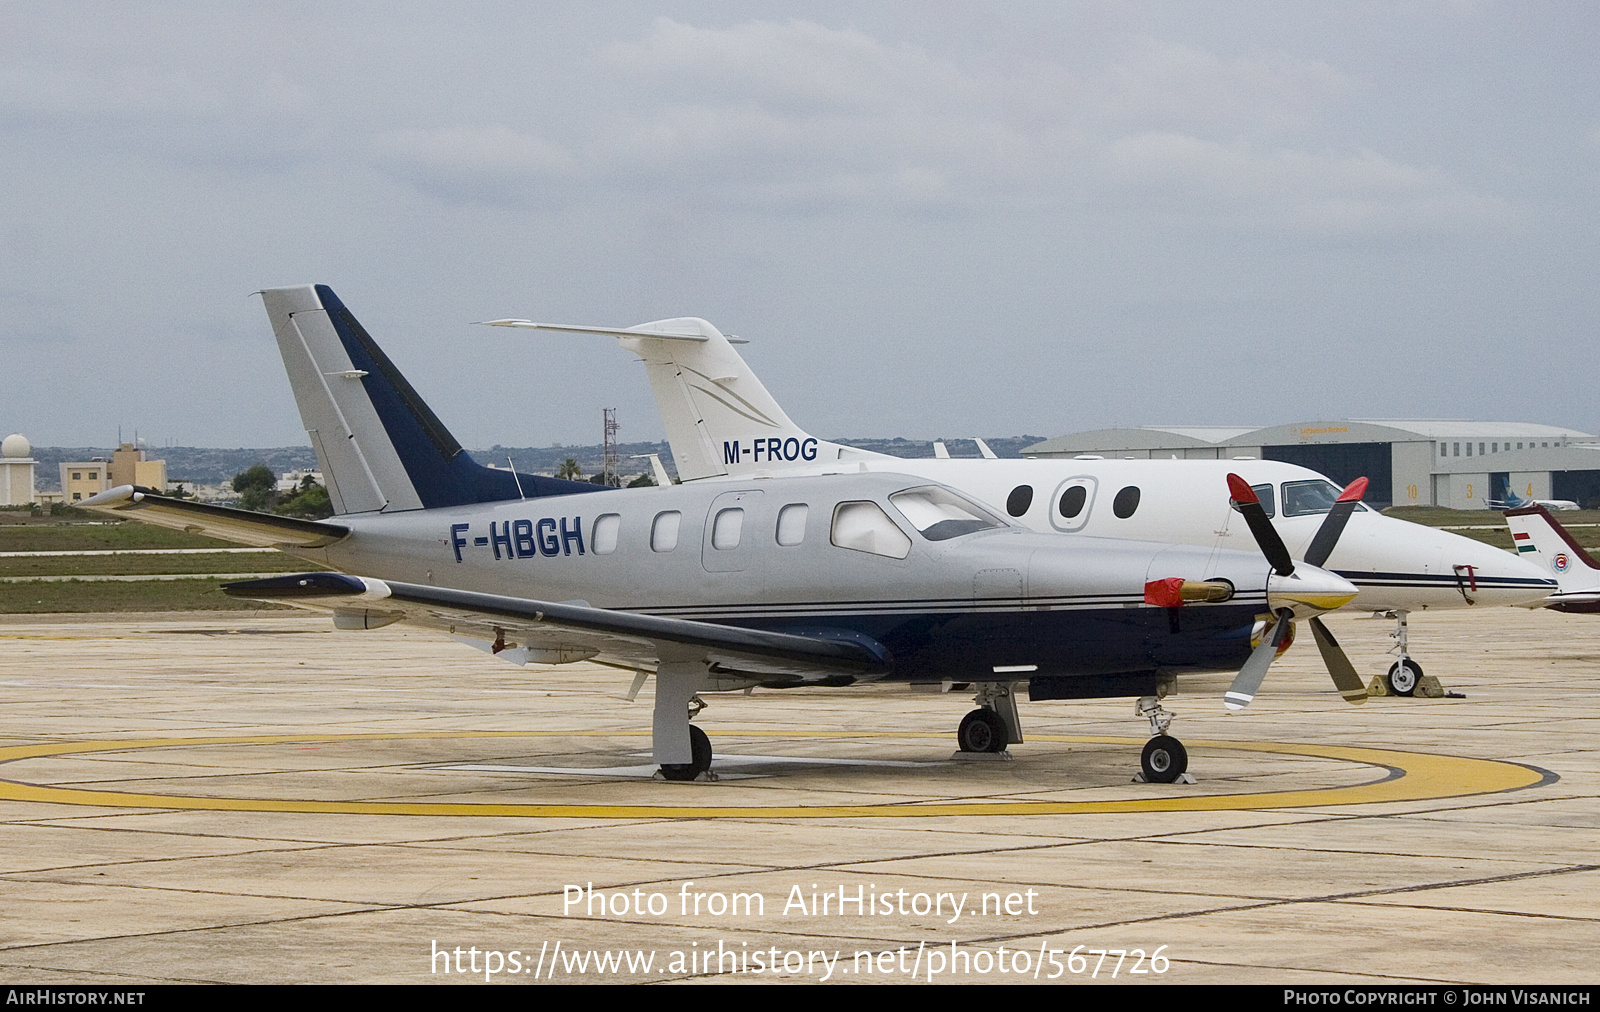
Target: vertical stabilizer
x,y
380,446
719,418
1545,543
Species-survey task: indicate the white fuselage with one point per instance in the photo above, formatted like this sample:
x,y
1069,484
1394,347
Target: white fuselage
x,y
1399,566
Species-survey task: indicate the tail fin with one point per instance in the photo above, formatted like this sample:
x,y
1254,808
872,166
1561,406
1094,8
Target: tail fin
x,y
379,444
719,418
1543,541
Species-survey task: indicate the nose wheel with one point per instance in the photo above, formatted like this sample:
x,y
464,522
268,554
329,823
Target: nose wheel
x,y
982,731
1164,760
1403,677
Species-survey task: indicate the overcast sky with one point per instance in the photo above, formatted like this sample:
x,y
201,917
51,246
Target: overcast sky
x,y
930,219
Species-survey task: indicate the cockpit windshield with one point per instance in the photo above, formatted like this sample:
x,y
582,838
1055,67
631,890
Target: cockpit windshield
x,y
1305,498
940,514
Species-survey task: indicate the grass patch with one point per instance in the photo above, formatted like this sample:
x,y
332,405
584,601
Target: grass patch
x,y
91,537
145,565
111,596
1498,534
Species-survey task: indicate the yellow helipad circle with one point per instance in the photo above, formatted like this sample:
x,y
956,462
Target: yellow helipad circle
x,y
1408,776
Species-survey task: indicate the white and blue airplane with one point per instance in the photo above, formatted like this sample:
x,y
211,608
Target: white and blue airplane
x,y
723,424
801,580
1512,501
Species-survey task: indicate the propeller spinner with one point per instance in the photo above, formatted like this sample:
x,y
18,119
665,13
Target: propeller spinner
x,y
1308,589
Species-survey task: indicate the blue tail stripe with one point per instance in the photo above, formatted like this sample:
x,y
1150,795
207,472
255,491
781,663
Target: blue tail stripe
x,y
440,471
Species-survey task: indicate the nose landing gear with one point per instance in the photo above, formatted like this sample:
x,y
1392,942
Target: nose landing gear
x,y
1164,759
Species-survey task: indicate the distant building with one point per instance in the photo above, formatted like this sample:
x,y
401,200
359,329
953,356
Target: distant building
x,y
1410,462
16,471
128,467
290,481
84,478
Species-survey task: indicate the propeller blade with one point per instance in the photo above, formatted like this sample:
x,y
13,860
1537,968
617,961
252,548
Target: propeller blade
x,y
1349,684
1248,680
1333,525
1261,526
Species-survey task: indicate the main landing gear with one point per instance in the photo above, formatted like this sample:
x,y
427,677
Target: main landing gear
x,y
994,724
681,750
1164,759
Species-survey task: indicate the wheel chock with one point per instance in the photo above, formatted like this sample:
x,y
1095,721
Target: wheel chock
x,y
982,757
1183,778
1429,686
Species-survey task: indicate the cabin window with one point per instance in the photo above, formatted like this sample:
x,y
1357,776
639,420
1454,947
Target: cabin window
x,y
1126,502
792,524
1019,500
726,528
940,514
865,527
1072,501
664,532
603,540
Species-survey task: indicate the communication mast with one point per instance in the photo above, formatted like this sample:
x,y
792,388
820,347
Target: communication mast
x,y
609,466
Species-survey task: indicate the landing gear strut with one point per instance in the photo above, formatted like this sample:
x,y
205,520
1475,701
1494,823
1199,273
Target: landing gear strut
x,y
1405,673
681,750
1164,759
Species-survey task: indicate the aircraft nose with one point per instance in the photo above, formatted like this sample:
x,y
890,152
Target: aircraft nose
x,y
1309,590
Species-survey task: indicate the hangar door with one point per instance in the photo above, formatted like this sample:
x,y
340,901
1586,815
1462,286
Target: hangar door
x,y
1582,487
1344,463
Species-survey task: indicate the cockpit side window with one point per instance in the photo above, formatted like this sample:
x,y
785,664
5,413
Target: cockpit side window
x,y
1306,498
865,527
940,514
1269,499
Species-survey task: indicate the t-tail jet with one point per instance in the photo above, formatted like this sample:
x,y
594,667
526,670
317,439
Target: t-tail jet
x,y
1541,539
723,424
802,580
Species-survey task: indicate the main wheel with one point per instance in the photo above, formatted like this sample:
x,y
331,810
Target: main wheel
x,y
699,758
1164,759
1403,677
982,731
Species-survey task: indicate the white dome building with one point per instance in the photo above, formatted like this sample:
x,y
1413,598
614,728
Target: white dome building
x,y
16,471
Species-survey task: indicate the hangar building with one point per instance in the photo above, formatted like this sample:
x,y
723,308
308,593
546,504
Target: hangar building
x,y
1410,462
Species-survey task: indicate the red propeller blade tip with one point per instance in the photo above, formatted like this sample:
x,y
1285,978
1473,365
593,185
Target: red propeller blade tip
x,y
1241,490
1354,491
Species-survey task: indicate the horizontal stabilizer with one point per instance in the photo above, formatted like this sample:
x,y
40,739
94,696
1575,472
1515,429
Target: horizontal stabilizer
x,y
259,530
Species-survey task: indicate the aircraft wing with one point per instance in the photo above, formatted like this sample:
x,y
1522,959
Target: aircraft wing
x,y
259,530
556,632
